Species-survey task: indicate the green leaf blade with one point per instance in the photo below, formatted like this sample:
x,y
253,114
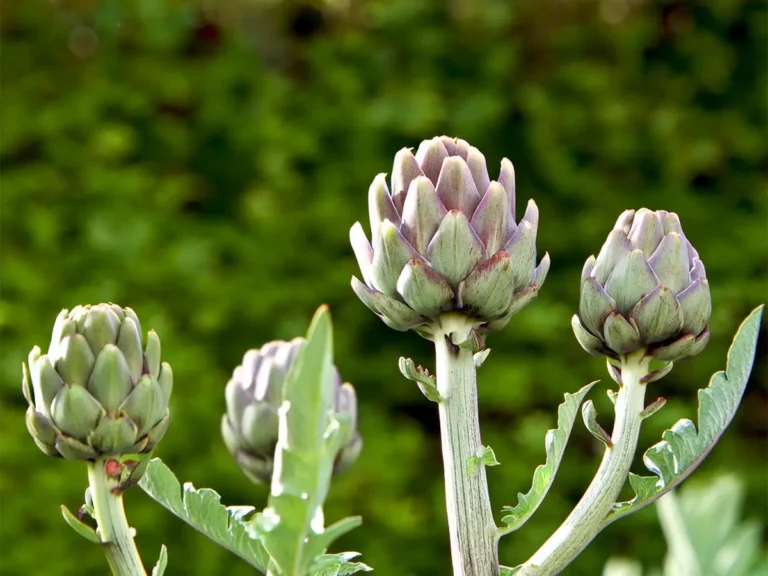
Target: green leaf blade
x,y
162,562
682,447
202,510
544,474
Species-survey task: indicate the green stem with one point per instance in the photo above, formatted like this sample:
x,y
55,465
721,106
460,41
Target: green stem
x,y
470,518
587,519
115,534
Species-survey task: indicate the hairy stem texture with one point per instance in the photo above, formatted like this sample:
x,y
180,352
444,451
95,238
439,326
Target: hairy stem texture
x,y
586,520
470,518
116,535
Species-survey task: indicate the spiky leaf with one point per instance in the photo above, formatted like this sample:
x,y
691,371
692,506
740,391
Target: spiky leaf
x,y
683,447
544,475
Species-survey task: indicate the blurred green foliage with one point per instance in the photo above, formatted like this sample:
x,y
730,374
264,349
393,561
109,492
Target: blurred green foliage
x,y
203,164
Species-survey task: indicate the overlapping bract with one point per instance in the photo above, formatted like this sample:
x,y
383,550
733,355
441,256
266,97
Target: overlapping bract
x,y
253,396
98,391
647,289
445,238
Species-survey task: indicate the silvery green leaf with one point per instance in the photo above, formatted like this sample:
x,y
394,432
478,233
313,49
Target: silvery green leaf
x,y
491,219
202,510
337,565
658,315
455,249
696,305
489,288
291,527
544,474
422,377
670,263
162,562
391,251
589,415
683,446
404,170
380,205
456,188
422,213
620,335
79,526
423,289
590,343
594,305
632,279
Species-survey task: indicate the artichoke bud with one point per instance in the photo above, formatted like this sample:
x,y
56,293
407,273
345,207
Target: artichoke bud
x,y
97,392
645,290
253,396
444,239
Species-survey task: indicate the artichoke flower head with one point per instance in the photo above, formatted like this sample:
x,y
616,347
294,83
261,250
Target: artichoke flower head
x,y
99,390
254,395
646,290
445,239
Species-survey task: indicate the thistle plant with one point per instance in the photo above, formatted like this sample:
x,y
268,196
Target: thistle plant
x,y
449,259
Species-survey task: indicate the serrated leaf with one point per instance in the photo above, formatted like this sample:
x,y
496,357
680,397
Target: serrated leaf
x,y
544,474
80,527
337,565
683,447
162,562
202,510
424,380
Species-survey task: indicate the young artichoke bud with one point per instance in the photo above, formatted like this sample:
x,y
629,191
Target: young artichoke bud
x,y
99,391
253,396
647,289
445,239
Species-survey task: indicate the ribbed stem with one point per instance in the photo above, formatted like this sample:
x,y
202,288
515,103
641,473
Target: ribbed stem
x,y
586,520
470,518
116,535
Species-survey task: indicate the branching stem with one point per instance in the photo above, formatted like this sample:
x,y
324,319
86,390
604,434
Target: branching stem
x,y
587,519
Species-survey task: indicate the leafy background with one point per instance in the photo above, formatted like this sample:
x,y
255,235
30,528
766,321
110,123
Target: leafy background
x,y
202,162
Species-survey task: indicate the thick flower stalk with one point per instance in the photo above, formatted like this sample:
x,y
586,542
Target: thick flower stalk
x,y
645,297
445,239
101,392
449,260
254,395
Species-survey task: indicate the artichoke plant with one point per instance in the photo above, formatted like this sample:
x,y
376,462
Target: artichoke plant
x,y
253,396
98,391
647,289
445,239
